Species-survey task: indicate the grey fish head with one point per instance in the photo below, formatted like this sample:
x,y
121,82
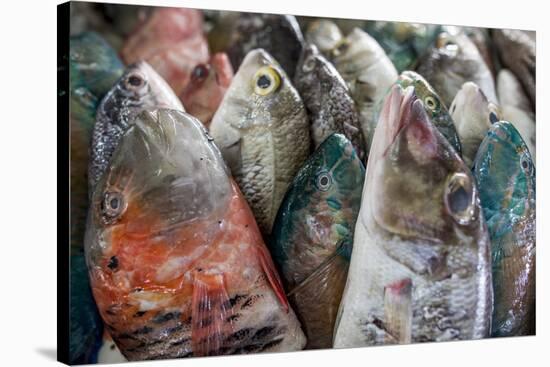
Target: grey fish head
x,y
165,173
419,188
316,76
138,89
260,96
323,33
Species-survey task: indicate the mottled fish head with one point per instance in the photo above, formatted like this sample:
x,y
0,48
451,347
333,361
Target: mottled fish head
x,y
419,188
505,171
207,85
315,76
323,33
470,103
433,104
160,199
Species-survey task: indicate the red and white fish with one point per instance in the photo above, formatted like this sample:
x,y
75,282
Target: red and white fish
x,y
172,41
207,86
177,264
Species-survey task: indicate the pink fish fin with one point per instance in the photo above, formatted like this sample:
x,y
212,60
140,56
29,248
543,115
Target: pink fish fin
x,y
272,275
398,310
211,313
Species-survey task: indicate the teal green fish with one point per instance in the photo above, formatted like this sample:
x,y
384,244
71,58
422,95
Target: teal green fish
x,y
505,175
403,42
433,105
313,235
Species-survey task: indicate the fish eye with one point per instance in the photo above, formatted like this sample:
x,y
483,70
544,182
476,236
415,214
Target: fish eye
x,y
135,81
266,81
323,181
526,164
431,103
493,117
459,198
112,206
200,72
309,64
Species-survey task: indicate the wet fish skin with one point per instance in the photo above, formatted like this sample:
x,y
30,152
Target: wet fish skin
x,y
263,133
435,108
279,35
517,50
172,41
473,116
453,60
313,235
177,265
324,34
369,73
505,175
516,108
420,266
139,88
327,99
207,86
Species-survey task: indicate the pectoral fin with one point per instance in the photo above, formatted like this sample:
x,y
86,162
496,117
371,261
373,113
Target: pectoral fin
x,y
398,310
210,311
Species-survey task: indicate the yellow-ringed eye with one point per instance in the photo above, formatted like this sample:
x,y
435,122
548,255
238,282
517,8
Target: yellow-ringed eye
x,y
460,198
266,81
431,103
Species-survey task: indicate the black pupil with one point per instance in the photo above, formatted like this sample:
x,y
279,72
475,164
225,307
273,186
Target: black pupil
x,y
493,117
459,200
114,203
263,82
200,72
324,181
135,80
524,164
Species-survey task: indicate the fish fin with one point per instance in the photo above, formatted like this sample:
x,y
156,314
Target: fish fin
x,y
398,310
210,311
272,275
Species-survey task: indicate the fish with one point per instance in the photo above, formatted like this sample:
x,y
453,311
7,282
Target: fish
x,y
139,88
403,42
262,130
453,60
177,264
473,116
435,108
324,34
505,175
209,82
172,41
517,51
516,108
313,235
328,101
279,35
369,73
420,269
93,69
86,327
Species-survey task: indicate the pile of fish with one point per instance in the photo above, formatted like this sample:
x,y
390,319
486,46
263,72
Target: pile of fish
x,y
246,183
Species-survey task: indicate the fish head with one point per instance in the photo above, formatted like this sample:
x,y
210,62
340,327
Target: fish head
x,y
161,198
323,33
206,87
419,188
315,76
142,86
504,169
471,104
